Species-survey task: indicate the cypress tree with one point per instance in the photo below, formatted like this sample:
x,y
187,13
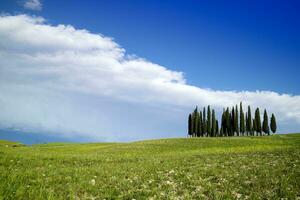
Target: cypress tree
x,y
254,127
236,121
217,128
273,123
242,120
249,121
223,122
194,121
258,121
213,124
190,125
208,121
200,124
232,127
266,128
204,123
227,116
247,124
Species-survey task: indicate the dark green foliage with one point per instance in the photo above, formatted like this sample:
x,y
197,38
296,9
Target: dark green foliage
x,y
190,125
258,121
249,119
265,127
242,120
232,128
204,129
195,121
223,124
213,124
273,123
234,122
200,124
208,121
228,119
217,128
254,128
247,124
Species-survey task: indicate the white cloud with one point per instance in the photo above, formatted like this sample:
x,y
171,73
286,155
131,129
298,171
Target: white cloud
x,y
33,5
73,82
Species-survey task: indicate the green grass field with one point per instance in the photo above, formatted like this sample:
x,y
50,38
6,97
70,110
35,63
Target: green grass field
x,y
190,168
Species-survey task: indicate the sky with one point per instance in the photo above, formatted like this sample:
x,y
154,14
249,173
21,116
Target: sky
x,y
132,70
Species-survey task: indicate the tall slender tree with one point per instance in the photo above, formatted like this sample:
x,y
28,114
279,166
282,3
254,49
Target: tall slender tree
x,y
249,121
194,117
236,121
232,128
190,125
247,124
217,128
265,127
200,124
273,123
198,133
223,123
258,121
228,120
213,124
204,123
208,121
254,128
242,120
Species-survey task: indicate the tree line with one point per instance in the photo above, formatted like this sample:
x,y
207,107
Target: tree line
x,y
234,122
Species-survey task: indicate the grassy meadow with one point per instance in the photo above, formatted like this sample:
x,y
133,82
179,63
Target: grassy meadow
x,y
189,168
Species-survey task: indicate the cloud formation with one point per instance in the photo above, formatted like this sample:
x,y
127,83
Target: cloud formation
x,y
33,5
72,82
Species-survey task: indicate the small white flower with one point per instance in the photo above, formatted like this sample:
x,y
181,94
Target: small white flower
x,y
169,182
93,182
238,195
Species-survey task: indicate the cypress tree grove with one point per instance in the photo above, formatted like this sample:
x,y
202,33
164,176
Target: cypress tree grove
x,y
249,121
258,121
213,124
265,127
208,121
242,120
273,123
234,122
190,125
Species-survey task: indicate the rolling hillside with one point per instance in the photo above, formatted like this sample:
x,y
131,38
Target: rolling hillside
x,y
187,168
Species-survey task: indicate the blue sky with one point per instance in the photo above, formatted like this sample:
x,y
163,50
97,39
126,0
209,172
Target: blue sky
x,y
224,46
211,41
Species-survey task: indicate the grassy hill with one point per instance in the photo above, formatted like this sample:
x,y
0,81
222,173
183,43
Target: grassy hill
x,y
189,168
